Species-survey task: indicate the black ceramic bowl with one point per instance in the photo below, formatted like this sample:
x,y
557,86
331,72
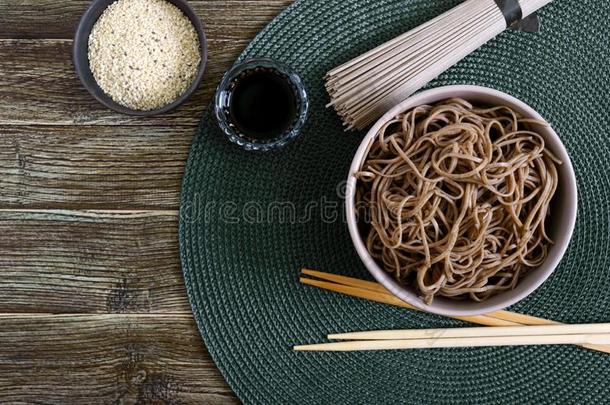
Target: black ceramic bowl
x,y
81,57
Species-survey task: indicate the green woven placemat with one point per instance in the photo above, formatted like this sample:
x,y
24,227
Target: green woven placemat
x,y
241,260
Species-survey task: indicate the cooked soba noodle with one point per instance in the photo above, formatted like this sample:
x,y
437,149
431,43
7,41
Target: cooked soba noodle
x,y
456,197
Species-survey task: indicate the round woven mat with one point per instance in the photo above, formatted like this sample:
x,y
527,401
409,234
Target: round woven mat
x,y
241,258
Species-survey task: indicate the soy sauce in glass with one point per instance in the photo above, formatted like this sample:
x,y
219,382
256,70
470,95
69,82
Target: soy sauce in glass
x,y
261,105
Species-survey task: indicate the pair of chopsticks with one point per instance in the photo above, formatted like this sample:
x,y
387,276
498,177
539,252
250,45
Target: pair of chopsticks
x,y
467,337
561,334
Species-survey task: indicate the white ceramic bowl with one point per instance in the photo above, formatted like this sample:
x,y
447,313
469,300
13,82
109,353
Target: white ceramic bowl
x,y
561,222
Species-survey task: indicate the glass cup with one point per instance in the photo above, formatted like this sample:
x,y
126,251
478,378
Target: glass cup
x,y
224,99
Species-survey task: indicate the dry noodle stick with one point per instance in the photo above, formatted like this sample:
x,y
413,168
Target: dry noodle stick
x,y
408,53
457,25
381,84
458,10
415,57
356,76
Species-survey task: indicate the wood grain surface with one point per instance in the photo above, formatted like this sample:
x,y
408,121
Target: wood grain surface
x,y
113,359
93,307
124,262
93,167
38,86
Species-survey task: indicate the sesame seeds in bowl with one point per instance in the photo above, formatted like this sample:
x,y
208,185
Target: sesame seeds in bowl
x,y
140,57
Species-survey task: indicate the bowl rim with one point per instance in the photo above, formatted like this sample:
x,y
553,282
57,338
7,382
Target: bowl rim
x,y
81,44
495,303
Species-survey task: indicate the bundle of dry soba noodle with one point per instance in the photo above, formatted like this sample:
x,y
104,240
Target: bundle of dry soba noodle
x,y
456,197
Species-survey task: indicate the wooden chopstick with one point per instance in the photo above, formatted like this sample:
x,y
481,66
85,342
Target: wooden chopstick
x,y
354,282
392,300
444,333
376,292
437,343
508,317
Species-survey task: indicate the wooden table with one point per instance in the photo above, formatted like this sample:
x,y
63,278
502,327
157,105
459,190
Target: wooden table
x,y
93,307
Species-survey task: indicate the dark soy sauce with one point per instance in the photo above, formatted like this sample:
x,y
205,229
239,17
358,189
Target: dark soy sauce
x,y
263,103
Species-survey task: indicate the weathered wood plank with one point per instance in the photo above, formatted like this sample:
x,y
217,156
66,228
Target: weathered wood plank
x,y
88,167
139,343
38,85
90,262
48,19
124,359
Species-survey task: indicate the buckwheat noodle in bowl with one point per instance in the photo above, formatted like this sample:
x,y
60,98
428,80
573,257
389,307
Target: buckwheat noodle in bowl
x,y
455,198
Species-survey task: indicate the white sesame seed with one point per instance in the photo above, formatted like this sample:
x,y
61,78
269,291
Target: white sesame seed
x,y
144,53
